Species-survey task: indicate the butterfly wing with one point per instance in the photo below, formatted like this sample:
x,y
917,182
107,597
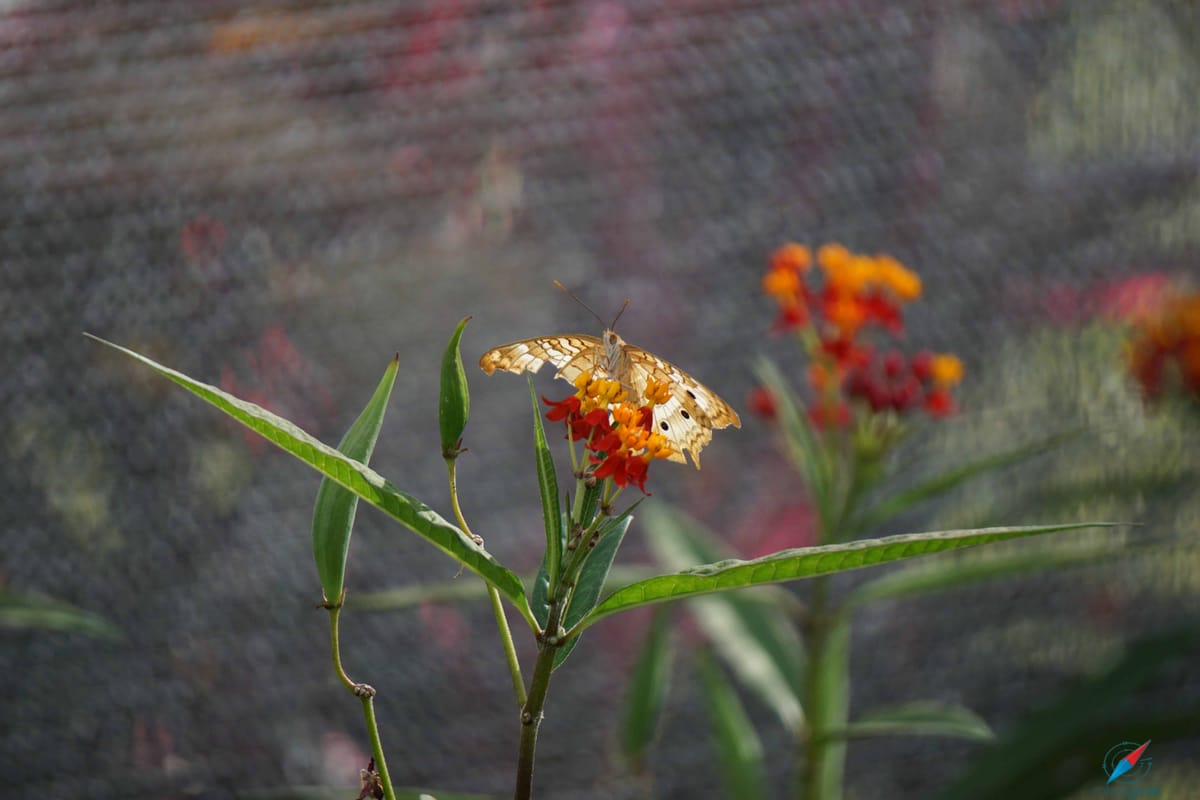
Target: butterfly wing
x,y
687,420
573,354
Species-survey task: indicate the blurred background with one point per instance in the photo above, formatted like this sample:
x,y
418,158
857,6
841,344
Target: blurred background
x,y
275,197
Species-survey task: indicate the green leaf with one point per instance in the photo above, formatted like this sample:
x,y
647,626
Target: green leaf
x,y
788,565
454,401
751,633
919,719
453,591
592,578
647,692
358,478
950,572
1060,747
803,447
539,594
548,487
34,612
595,569
899,502
591,503
739,751
334,509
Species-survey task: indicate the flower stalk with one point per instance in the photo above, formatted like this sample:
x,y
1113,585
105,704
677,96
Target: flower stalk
x,y
506,639
826,699
366,695
532,709
837,303
551,640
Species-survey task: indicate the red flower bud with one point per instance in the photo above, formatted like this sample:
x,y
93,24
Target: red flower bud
x,y
856,383
939,403
893,363
906,395
922,366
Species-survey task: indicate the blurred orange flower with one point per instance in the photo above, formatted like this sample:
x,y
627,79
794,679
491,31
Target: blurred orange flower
x,y
1165,343
834,310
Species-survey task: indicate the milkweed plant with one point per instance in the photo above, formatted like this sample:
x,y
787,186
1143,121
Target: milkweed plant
x,y
859,406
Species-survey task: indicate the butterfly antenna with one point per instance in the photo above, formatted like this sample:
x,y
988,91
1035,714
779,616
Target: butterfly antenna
x,y
571,295
619,313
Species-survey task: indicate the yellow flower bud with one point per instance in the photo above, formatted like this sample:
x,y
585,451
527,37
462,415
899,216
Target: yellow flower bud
x,y
947,369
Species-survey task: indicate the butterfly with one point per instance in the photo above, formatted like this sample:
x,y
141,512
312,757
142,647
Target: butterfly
x,y
686,420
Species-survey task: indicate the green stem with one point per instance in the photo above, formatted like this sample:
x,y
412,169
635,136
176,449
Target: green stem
x,y
583,548
506,639
839,530
366,695
571,447
826,698
531,713
548,646
462,522
385,780
814,713
577,503
510,651
827,681
335,645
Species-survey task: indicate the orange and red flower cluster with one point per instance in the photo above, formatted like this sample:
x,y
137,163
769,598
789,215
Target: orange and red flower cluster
x,y
894,381
835,308
1166,343
856,291
619,435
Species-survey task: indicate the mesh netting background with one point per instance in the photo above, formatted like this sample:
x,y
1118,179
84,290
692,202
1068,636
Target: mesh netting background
x,y
275,197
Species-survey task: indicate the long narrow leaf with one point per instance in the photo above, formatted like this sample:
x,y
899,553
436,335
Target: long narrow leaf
x,y
787,565
539,594
592,577
805,450
33,612
919,719
358,478
941,483
335,507
595,569
739,751
548,488
453,591
647,691
751,634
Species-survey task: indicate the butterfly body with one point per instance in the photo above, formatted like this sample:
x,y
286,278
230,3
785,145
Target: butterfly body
x,y
687,419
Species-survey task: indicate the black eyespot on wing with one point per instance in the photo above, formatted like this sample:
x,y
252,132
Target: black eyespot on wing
x,y
664,426
684,414
691,394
